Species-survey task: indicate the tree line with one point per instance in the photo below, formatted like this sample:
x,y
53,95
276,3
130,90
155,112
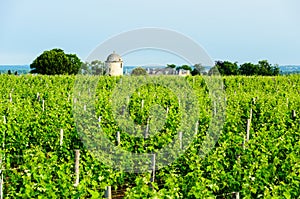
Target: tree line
x,y
263,68
226,68
56,61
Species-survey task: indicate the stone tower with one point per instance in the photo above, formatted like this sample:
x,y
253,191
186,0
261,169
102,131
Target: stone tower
x,y
114,65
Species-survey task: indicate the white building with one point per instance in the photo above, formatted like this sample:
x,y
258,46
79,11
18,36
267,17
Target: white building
x,y
114,65
167,71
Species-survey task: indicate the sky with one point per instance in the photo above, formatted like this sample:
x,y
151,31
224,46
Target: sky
x,y
233,30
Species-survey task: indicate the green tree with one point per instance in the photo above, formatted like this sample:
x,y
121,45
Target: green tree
x,y
95,67
249,69
267,69
171,65
276,70
139,71
98,67
227,68
55,62
214,71
263,68
85,68
75,63
184,67
198,69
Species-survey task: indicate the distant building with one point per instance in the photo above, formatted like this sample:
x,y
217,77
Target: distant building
x,y
167,71
161,71
183,72
114,65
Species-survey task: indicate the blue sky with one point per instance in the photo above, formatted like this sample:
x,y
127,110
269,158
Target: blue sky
x,y
231,30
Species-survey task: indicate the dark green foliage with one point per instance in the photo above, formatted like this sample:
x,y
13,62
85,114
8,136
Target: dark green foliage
x,y
249,69
55,62
184,67
139,71
227,68
266,69
263,68
198,70
171,65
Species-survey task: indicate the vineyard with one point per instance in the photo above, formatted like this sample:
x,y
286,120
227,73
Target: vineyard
x,y
50,136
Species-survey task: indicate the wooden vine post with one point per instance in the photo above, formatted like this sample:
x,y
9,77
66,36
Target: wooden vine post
x,y
237,195
248,126
196,127
248,130
153,159
146,134
77,154
1,159
180,139
43,105
61,137
123,110
1,178
38,96
294,114
108,192
99,120
215,108
118,138
142,104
